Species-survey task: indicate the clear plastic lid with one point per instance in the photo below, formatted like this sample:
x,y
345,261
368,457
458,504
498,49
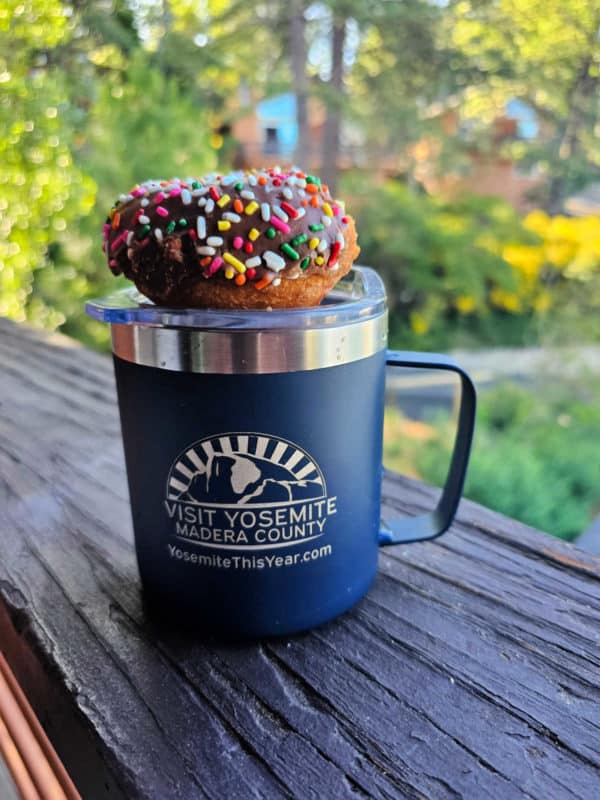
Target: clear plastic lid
x,y
359,295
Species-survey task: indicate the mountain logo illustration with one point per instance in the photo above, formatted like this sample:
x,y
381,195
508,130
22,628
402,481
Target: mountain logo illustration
x,y
244,469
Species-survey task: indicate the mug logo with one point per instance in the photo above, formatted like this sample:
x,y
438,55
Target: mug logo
x,y
247,490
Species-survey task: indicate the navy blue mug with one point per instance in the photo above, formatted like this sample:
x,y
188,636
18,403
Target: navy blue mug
x,y
253,445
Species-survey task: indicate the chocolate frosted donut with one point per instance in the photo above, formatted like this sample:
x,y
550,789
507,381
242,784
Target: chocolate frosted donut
x,y
257,239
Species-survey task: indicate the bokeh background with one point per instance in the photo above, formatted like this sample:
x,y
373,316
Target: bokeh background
x,y
465,137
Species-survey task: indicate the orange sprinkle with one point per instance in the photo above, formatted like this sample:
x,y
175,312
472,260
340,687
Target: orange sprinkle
x,y
164,183
312,188
314,200
238,206
261,180
204,262
324,188
240,280
304,202
300,175
115,220
262,283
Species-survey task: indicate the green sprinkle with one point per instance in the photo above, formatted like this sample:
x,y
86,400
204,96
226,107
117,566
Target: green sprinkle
x,y
239,186
312,179
183,222
289,251
195,185
299,239
317,226
143,231
305,262
170,227
270,234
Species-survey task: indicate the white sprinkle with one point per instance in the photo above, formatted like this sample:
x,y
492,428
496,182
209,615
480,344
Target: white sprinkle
x,y
292,180
323,245
247,194
206,251
144,202
301,193
201,227
186,197
231,217
202,202
280,213
326,220
253,262
143,219
124,197
214,241
287,193
129,238
277,170
301,183
130,253
252,180
276,282
335,266
200,192
340,238
301,212
227,180
273,260
158,234
265,211
210,204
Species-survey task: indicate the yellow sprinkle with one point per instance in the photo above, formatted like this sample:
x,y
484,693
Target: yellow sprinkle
x,y
235,262
251,207
222,201
327,209
319,260
229,273
253,234
111,213
313,243
223,225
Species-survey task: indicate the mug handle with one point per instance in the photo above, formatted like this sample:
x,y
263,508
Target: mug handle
x,y
428,526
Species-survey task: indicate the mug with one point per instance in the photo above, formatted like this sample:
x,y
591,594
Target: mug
x,y
253,446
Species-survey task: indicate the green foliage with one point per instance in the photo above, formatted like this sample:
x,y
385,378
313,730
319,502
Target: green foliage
x,y
42,190
440,261
535,455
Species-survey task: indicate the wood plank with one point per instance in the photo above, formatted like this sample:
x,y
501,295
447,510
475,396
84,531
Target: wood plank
x,y
470,670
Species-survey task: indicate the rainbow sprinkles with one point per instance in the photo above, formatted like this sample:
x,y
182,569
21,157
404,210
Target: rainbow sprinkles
x,y
257,226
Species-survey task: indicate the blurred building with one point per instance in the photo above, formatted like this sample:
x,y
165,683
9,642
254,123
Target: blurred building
x,y
268,135
484,168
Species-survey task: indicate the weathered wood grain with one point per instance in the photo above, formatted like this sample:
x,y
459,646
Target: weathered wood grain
x,y
471,670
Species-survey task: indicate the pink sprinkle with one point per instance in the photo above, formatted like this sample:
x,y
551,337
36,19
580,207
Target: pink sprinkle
x,y
159,196
175,192
162,211
238,242
119,240
336,210
280,224
113,262
214,267
137,192
106,228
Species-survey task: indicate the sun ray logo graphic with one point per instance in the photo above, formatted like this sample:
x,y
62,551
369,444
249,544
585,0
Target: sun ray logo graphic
x,y
246,469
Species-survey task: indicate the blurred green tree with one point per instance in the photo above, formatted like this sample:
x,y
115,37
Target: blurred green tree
x,y
546,53
42,191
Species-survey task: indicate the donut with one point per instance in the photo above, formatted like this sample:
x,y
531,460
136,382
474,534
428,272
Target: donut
x,y
252,239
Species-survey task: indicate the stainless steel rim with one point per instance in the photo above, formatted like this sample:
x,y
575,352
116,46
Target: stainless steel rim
x,y
248,351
